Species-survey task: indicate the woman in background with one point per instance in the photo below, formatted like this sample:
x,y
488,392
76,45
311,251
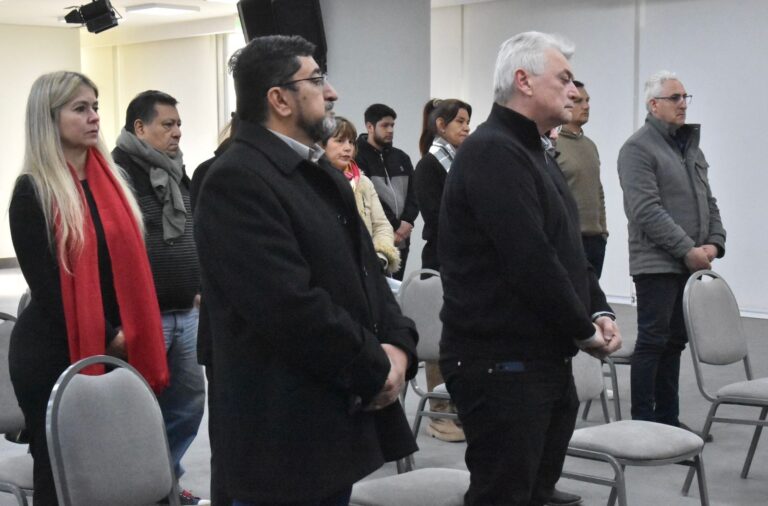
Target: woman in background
x,y
78,237
446,125
340,151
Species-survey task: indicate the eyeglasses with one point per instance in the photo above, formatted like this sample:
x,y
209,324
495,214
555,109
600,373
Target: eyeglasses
x,y
316,80
676,98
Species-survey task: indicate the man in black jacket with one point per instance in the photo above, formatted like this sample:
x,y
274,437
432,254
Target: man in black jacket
x,y
391,171
148,150
310,349
520,296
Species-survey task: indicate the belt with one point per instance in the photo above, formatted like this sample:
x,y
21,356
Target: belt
x,y
507,366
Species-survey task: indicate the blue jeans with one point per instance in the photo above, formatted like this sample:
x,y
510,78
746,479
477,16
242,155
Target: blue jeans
x,y
661,338
340,499
183,402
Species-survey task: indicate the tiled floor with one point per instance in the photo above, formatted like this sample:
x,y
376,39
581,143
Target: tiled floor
x,y
655,486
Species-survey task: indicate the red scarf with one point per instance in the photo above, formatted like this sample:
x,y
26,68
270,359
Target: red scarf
x,y
132,276
352,173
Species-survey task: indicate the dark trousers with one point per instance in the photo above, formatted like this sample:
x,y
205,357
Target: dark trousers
x,y
340,499
219,495
517,422
661,338
403,259
594,248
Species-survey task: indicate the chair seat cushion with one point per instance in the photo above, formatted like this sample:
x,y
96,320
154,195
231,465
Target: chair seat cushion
x,y
755,389
626,350
422,487
17,470
637,440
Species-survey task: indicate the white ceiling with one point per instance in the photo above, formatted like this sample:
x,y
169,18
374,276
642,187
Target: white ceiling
x,y
47,12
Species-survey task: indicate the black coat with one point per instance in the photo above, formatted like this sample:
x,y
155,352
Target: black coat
x,y
298,311
429,181
517,283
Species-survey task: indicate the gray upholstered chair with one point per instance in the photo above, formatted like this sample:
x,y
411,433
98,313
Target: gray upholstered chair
x,y
106,438
15,471
422,487
622,356
717,338
24,301
628,442
421,300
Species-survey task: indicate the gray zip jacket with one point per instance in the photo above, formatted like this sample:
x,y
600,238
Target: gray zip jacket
x,y
667,198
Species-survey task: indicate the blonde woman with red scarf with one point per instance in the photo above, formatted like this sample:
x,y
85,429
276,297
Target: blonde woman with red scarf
x,y
78,236
340,151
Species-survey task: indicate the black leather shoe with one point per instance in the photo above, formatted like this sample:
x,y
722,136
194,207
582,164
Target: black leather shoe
x,y
560,498
707,439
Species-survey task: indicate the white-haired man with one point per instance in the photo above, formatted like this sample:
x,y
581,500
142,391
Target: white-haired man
x,y
674,229
520,299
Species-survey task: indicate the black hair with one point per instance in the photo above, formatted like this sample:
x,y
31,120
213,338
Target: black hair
x,y
578,84
262,64
375,112
143,107
436,108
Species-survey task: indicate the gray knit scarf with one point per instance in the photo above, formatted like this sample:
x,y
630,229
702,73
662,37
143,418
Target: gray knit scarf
x,y
165,175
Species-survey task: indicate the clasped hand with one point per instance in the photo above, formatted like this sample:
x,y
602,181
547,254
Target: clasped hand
x,y
608,338
398,363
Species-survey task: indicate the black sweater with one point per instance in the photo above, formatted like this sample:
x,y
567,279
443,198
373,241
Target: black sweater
x,y
40,267
175,268
429,180
517,283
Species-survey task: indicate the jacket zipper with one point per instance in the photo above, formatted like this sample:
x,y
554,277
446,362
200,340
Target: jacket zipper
x,y
389,185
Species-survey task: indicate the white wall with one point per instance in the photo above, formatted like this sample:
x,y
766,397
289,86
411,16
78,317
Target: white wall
x,y
379,52
185,68
53,49
618,44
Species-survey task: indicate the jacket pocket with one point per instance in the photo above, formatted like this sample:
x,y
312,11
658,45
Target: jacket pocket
x,y
701,172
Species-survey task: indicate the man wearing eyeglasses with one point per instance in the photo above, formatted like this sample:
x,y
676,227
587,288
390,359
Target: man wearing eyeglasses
x,y
309,348
674,230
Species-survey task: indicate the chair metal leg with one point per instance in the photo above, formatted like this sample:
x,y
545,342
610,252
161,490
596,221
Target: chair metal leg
x,y
688,480
699,466
405,465
585,413
419,416
620,490
19,494
753,445
604,403
615,387
704,433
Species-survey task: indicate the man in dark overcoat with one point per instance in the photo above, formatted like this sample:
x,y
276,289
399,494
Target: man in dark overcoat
x,y
309,347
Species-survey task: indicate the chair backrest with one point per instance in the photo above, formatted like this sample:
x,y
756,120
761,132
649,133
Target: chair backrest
x,y
106,438
713,320
11,417
587,376
24,301
421,300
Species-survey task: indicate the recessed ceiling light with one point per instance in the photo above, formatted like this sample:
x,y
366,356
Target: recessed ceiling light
x,y
156,9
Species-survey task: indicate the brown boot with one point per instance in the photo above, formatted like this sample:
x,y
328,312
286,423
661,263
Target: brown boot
x,y
445,429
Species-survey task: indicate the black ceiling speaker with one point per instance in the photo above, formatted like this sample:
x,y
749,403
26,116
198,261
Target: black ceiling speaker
x,y
97,16
285,17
